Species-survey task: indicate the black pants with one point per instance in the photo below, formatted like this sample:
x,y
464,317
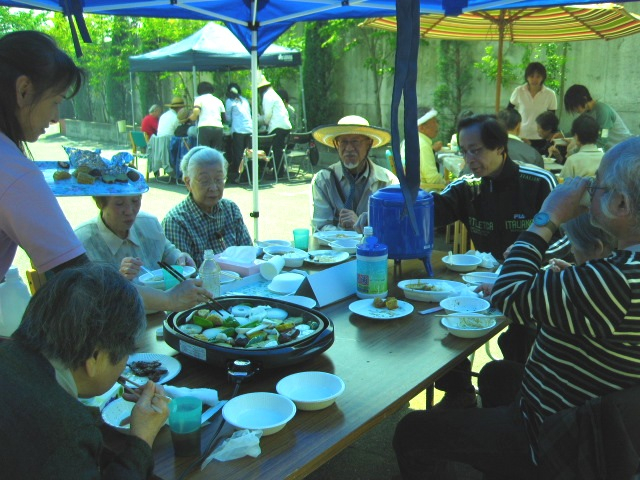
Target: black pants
x,y
211,137
278,146
240,141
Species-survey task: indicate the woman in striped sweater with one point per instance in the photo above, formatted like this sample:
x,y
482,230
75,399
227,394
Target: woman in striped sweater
x,y
589,340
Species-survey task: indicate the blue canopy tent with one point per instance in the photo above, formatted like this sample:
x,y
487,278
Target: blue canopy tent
x,y
257,23
212,48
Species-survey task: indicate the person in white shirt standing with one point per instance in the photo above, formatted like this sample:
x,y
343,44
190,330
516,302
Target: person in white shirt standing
x,y
276,117
532,99
208,110
238,116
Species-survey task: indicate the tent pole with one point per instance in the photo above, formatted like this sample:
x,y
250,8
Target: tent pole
x,y
254,137
133,107
501,26
302,99
193,71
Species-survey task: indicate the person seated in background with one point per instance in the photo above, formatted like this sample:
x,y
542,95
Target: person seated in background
x,y
428,129
499,380
127,238
518,150
74,341
585,162
204,219
293,116
149,124
585,364
555,145
169,120
496,203
613,130
340,193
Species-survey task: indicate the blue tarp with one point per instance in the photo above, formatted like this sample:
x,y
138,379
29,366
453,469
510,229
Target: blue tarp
x,y
211,48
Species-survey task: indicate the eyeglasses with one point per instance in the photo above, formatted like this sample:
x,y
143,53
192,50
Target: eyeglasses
x,y
592,187
474,152
355,143
208,183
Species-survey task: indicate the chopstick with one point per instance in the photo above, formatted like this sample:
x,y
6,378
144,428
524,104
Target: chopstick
x,y
122,381
177,275
172,271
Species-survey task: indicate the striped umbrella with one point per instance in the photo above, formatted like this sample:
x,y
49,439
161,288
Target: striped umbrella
x,y
603,21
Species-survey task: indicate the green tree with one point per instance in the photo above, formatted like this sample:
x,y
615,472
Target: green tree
x,y
15,20
455,73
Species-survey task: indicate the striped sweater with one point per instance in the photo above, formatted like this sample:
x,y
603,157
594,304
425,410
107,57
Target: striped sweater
x,y
589,341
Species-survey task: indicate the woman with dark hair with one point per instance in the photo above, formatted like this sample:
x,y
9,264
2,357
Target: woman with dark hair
x,y
74,341
531,99
208,110
554,144
613,130
238,115
35,76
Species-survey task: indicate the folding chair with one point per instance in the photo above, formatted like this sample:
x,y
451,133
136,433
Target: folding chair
x,y
265,154
298,149
138,148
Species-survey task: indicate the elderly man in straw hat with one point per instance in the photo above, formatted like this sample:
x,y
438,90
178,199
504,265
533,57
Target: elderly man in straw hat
x,y
341,192
169,120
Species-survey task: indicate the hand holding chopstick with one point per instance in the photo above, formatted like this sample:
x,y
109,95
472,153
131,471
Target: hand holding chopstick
x,y
123,381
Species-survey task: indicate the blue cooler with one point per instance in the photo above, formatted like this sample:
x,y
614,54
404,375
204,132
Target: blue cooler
x,y
391,225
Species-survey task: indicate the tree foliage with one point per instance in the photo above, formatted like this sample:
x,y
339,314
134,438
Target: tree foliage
x,y
455,74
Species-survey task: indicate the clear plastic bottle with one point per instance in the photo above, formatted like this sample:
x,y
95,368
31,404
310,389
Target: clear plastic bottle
x,y
14,297
210,273
366,233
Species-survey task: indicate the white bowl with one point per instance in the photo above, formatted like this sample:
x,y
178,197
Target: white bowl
x,y
116,412
264,411
461,262
311,390
293,257
469,325
548,160
476,278
464,305
285,283
270,243
345,245
428,290
155,279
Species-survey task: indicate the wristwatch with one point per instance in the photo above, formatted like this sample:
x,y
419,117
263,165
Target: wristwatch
x,y
542,219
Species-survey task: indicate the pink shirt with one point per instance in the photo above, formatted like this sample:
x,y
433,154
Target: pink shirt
x,y
30,216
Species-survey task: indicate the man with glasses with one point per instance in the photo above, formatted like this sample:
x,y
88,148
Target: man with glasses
x,y
496,203
340,193
576,412
204,220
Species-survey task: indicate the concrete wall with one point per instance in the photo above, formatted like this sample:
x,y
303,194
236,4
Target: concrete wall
x,y
99,132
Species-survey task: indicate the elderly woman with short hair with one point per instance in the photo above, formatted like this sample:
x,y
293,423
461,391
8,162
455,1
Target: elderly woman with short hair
x,y
74,341
127,238
204,220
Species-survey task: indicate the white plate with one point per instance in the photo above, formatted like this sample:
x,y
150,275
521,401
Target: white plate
x,y
172,365
299,300
366,309
325,238
452,323
477,278
331,257
227,278
114,413
448,288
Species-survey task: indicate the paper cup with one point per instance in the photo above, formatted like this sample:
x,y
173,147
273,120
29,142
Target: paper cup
x,y
272,267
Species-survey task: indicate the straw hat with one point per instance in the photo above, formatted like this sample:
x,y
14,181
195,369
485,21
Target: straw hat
x,y
175,102
351,125
263,81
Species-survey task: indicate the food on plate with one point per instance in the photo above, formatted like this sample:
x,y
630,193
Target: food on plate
x,y
63,164
390,303
109,179
153,370
122,178
428,287
323,258
61,175
472,322
133,175
249,327
86,179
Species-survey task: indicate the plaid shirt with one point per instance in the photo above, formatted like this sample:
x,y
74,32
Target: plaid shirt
x,y
194,231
